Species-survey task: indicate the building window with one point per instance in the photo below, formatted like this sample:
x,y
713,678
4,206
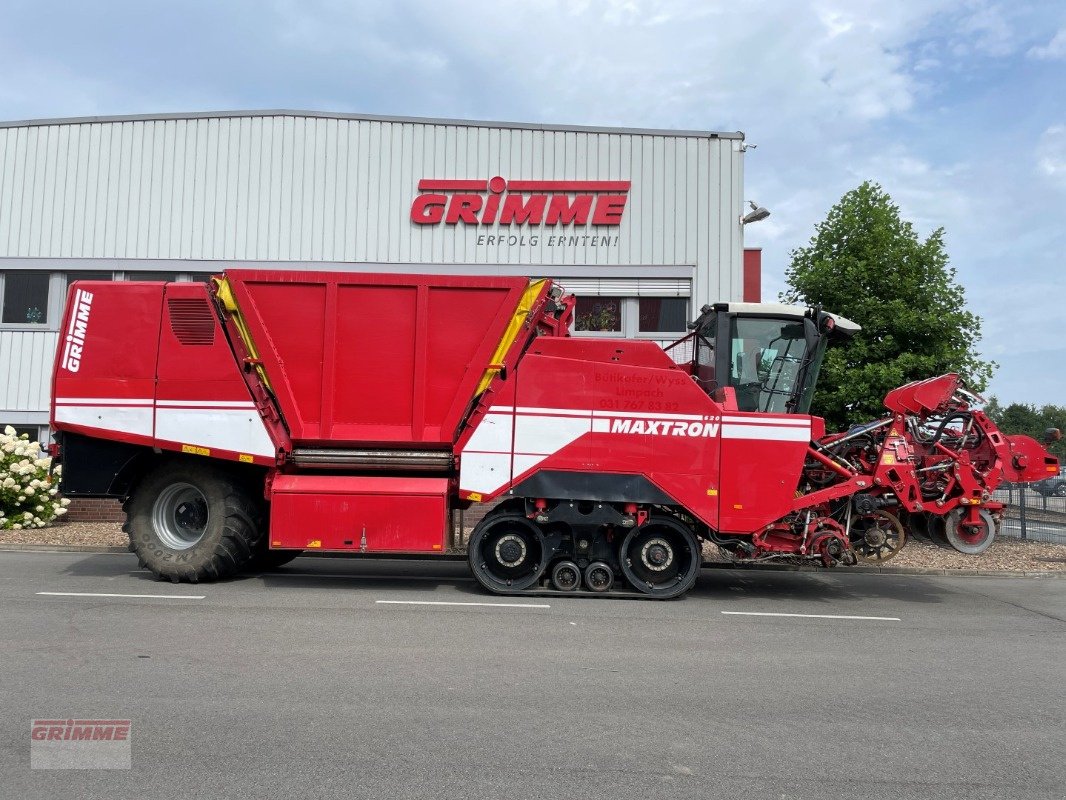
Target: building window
x,y
598,314
662,314
660,318
87,276
25,298
152,276
200,277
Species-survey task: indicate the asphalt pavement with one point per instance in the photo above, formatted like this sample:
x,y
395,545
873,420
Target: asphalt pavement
x,y
339,678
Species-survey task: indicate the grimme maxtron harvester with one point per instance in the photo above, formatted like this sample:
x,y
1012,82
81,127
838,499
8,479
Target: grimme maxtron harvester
x,y
275,412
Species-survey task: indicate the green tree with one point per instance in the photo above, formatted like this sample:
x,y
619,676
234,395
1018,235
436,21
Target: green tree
x,y
867,264
1030,420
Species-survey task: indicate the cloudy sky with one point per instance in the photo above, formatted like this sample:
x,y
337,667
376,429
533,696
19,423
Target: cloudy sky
x,y
957,107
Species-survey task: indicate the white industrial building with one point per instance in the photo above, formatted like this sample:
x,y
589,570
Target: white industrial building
x,y
643,225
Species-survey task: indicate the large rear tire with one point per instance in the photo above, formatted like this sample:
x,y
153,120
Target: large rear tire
x,y
192,521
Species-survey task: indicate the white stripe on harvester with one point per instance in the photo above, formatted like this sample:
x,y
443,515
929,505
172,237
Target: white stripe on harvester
x,y
123,419
766,432
767,420
206,403
102,401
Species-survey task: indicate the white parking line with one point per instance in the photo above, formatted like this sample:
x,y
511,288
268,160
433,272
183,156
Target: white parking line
x,y
447,603
806,616
151,596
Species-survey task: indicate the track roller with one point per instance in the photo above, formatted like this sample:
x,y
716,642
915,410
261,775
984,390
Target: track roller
x,y
599,577
566,576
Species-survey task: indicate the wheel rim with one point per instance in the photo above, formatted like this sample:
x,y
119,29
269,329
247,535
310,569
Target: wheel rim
x,y
877,537
661,558
566,576
971,539
599,577
507,553
180,516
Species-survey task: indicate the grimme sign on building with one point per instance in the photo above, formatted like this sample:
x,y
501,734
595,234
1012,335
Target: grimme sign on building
x,y
500,203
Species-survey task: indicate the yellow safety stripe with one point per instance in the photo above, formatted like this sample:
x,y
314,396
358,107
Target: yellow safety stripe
x,y
229,302
525,305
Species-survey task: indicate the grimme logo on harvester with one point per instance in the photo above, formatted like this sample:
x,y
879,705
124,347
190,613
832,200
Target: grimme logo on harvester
x,y
74,342
504,202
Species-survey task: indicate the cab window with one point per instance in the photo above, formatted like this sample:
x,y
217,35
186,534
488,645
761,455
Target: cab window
x,y
766,360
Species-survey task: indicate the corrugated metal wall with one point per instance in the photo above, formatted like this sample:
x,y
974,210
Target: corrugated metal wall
x,y
26,368
299,188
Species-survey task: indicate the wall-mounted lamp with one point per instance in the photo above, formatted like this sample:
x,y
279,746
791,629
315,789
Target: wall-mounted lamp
x,y
757,213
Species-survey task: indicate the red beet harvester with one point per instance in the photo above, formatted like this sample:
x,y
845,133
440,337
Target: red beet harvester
x,y
275,412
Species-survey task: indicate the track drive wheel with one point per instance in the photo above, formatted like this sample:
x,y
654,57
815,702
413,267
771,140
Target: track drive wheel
x,y
507,553
661,558
971,539
877,537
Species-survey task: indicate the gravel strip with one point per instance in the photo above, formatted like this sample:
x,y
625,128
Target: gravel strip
x,y
99,534
1004,554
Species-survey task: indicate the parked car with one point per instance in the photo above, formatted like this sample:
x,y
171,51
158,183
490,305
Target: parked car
x,y
1051,487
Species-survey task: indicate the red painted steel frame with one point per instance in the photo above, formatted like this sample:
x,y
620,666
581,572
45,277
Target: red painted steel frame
x,y
373,357
359,514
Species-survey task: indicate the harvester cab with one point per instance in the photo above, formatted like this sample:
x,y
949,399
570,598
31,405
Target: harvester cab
x,y
767,355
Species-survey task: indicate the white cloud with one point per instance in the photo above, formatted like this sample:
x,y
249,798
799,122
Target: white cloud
x,y
1051,154
1053,50
985,29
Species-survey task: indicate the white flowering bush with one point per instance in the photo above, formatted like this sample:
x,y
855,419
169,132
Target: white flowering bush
x,y
29,490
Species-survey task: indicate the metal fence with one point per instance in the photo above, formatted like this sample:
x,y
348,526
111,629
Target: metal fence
x,y
1032,515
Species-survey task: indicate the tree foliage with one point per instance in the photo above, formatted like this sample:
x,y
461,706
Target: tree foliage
x,y
867,264
1030,420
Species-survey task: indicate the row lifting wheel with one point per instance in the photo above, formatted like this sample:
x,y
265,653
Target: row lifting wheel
x,y
507,553
969,538
876,537
661,558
